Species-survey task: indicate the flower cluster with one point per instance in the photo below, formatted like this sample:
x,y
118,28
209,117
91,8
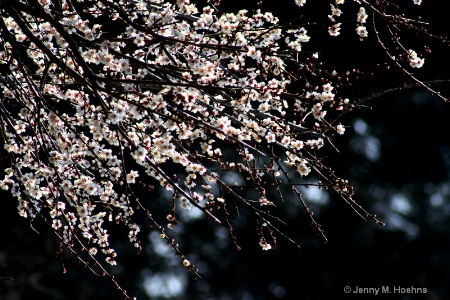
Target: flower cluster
x,y
159,103
414,60
361,30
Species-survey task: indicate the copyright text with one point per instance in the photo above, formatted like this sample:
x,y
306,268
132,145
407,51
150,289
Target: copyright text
x,y
385,289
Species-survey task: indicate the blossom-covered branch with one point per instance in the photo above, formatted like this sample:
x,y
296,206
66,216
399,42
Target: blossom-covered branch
x,y
101,98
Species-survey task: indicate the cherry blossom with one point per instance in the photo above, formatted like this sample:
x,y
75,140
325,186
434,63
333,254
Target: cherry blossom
x,y
177,97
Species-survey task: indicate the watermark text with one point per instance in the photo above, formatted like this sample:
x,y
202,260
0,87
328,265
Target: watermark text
x,y
385,289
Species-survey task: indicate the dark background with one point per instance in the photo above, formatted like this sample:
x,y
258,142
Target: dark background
x,y
397,155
